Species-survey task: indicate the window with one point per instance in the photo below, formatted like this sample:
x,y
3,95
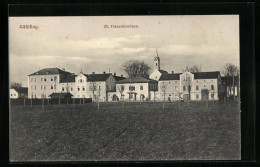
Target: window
x,y
51,87
35,87
31,79
83,88
31,87
176,87
122,88
131,88
55,78
197,96
184,88
35,96
41,79
212,87
99,88
197,87
62,89
11,94
212,96
45,79
54,86
141,87
14,94
41,86
44,86
78,89
35,79
80,80
71,89
51,79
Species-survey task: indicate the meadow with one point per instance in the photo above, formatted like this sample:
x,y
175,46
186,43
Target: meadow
x,y
133,132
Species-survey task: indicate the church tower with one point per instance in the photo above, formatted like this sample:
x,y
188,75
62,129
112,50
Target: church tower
x,y
157,62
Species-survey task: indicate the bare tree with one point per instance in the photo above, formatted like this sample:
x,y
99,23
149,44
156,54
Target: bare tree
x,y
163,89
135,68
121,88
187,82
67,88
194,68
232,71
93,88
15,85
98,94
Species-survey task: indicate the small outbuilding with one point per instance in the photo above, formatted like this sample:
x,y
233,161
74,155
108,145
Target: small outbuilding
x,y
61,95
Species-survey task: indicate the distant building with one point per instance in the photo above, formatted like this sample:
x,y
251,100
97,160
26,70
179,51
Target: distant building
x,y
136,88
21,92
197,86
230,85
46,81
194,86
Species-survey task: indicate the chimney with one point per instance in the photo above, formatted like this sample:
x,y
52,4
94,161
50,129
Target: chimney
x,y
63,69
172,72
104,72
121,75
93,72
114,74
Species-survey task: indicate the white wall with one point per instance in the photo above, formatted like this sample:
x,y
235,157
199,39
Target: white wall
x,y
137,90
13,94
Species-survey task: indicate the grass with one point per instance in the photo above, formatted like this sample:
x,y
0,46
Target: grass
x,y
133,132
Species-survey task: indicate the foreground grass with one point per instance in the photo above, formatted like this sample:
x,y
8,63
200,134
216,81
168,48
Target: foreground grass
x,y
132,132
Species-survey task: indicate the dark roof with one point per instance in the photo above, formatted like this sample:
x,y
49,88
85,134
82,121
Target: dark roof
x,y
206,75
163,72
97,77
175,76
197,75
60,95
118,78
48,71
21,90
70,78
136,80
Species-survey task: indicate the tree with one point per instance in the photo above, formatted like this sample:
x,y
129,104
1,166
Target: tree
x,y
229,70
120,88
194,68
135,68
232,71
163,89
15,85
93,88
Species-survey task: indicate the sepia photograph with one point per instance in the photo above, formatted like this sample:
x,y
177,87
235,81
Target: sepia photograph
x,y
124,88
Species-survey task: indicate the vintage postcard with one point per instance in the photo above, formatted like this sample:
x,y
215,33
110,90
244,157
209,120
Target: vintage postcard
x,y
124,88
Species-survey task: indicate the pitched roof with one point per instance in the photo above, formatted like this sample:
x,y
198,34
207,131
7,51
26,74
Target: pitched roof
x,y
60,95
206,75
97,77
21,90
118,78
70,78
163,72
49,71
137,79
197,75
175,76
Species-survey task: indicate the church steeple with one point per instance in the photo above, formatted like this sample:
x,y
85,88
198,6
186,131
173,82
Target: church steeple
x,y
157,61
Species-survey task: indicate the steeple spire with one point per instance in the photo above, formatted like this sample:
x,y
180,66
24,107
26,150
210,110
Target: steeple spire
x,y
157,61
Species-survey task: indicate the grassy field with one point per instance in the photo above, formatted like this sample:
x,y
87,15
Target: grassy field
x,y
133,132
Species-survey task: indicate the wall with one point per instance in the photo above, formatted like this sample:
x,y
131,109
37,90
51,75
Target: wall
x,y
40,88
137,90
13,94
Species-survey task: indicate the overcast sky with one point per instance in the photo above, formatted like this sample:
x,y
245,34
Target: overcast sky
x,y
76,43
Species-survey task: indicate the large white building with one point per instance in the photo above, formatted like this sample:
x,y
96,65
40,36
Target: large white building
x,y
54,80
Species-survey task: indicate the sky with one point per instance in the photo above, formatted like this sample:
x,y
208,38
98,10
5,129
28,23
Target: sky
x,y
82,43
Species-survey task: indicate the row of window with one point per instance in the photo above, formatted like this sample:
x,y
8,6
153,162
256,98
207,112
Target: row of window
x,y
43,79
12,94
184,88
